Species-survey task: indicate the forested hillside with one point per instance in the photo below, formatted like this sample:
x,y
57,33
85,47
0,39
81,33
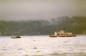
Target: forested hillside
x,y
74,24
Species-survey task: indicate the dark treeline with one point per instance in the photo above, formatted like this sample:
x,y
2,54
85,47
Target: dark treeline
x,y
43,27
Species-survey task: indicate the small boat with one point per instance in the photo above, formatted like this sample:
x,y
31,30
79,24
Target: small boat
x,y
15,37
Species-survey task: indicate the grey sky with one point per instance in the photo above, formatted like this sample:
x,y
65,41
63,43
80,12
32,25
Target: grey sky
x,y
41,9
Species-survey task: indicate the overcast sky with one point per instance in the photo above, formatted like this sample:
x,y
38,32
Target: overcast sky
x,y
40,9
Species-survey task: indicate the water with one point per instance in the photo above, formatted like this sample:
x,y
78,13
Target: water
x,y
42,46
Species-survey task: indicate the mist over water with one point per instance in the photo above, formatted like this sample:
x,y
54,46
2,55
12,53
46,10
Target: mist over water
x,y
40,9
33,19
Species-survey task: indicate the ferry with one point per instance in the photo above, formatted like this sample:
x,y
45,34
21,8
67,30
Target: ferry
x,y
62,33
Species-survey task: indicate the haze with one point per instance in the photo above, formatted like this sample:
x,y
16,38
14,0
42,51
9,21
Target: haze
x,y
40,9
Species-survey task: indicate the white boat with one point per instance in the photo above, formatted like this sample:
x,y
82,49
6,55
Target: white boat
x,y
62,34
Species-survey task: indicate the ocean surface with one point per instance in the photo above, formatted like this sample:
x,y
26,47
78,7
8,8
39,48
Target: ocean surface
x,y
43,46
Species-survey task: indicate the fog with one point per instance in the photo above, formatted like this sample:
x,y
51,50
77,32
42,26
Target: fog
x,y
40,9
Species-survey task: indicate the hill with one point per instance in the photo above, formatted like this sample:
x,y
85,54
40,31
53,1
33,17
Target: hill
x,y
75,24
